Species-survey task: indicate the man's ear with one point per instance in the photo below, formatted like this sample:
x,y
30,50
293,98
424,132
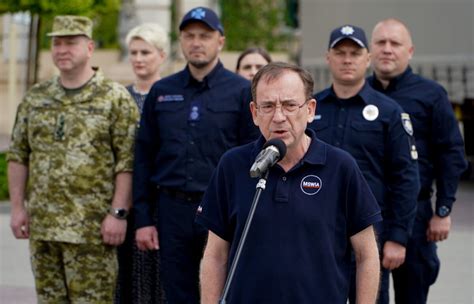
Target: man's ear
x,y
411,51
311,109
253,110
221,42
90,47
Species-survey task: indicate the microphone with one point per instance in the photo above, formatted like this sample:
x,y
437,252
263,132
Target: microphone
x,y
272,151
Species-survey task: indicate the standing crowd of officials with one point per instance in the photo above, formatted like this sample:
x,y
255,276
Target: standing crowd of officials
x,y
162,172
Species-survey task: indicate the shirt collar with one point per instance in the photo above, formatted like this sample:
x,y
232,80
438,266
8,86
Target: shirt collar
x,y
394,83
87,92
364,94
316,154
210,80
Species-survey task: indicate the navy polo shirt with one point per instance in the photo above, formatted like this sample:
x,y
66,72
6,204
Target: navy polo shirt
x,y
369,127
298,246
186,126
438,139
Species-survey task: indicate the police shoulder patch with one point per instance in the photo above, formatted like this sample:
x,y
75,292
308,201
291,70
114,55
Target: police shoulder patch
x,y
406,123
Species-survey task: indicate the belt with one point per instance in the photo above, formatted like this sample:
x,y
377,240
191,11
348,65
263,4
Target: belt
x,y
425,194
181,195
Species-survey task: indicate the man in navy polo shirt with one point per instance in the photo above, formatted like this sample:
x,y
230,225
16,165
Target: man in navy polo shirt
x,y
189,120
376,132
440,148
315,206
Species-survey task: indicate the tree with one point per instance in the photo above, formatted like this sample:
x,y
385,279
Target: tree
x,y
253,23
103,12
91,8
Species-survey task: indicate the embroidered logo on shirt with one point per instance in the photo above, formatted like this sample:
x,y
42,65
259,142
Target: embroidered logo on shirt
x,y
311,184
370,112
170,98
195,110
194,114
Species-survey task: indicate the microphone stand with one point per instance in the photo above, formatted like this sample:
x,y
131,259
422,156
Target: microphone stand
x,y
260,187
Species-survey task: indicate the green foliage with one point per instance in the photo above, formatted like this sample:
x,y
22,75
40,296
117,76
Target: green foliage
x,y
253,23
104,13
105,31
59,7
3,178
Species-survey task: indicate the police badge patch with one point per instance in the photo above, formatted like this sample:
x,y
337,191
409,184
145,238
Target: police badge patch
x,y
406,122
370,112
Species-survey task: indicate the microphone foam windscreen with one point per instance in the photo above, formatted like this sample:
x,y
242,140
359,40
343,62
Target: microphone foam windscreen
x,y
279,144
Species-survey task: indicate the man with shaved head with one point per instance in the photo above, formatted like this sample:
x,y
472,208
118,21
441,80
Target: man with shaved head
x,y
440,154
373,129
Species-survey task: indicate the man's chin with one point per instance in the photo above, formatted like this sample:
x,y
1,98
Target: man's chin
x,y
198,64
386,68
64,68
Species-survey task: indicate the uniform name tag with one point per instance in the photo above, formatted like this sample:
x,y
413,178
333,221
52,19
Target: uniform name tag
x,y
170,98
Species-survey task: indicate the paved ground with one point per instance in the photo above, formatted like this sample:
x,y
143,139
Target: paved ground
x,y
454,286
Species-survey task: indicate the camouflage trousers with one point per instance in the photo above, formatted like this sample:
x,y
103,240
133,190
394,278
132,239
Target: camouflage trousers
x,y
73,273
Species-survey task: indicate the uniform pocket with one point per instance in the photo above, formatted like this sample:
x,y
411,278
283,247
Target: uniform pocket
x,y
171,119
42,127
225,115
368,135
320,125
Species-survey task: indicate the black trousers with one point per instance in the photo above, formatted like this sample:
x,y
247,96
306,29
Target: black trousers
x,y
413,279
182,244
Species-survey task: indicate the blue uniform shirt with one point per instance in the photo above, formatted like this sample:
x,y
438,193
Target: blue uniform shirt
x,y
438,139
186,126
298,247
369,126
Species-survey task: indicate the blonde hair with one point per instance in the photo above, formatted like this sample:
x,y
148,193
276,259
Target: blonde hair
x,y
151,33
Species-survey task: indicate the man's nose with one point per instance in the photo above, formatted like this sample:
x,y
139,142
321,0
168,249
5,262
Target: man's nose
x,y
196,42
387,47
278,115
347,58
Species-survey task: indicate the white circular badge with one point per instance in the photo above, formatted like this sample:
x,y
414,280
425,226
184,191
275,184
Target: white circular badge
x,y
370,112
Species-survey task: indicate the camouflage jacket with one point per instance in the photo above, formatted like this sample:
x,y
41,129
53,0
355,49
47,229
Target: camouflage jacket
x,y
73,147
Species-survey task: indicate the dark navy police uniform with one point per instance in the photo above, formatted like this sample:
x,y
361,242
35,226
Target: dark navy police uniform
x,y
370,127
440,160
186,126
298,248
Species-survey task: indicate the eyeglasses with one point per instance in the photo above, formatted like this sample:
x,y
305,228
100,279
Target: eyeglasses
x,y
287,107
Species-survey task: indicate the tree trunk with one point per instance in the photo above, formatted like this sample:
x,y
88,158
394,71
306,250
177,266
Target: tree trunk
x,y
33,51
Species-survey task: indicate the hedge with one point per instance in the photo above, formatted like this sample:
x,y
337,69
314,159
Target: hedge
x,y
3,178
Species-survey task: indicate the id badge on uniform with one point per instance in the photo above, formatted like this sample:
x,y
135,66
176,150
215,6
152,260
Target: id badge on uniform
x,y
59,129
195,111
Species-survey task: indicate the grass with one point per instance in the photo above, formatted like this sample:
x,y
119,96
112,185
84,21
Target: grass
x,y
3,178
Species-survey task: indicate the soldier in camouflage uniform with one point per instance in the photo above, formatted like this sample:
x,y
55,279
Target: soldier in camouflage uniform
x,y
69,168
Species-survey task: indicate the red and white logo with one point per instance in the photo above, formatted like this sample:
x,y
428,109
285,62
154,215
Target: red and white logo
x,y
311,184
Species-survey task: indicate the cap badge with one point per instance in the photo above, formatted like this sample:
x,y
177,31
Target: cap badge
x,y
370,112
347,30
198,13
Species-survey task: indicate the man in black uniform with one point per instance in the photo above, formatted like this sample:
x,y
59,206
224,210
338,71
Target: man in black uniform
x,y
440,151
189,120
375,131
